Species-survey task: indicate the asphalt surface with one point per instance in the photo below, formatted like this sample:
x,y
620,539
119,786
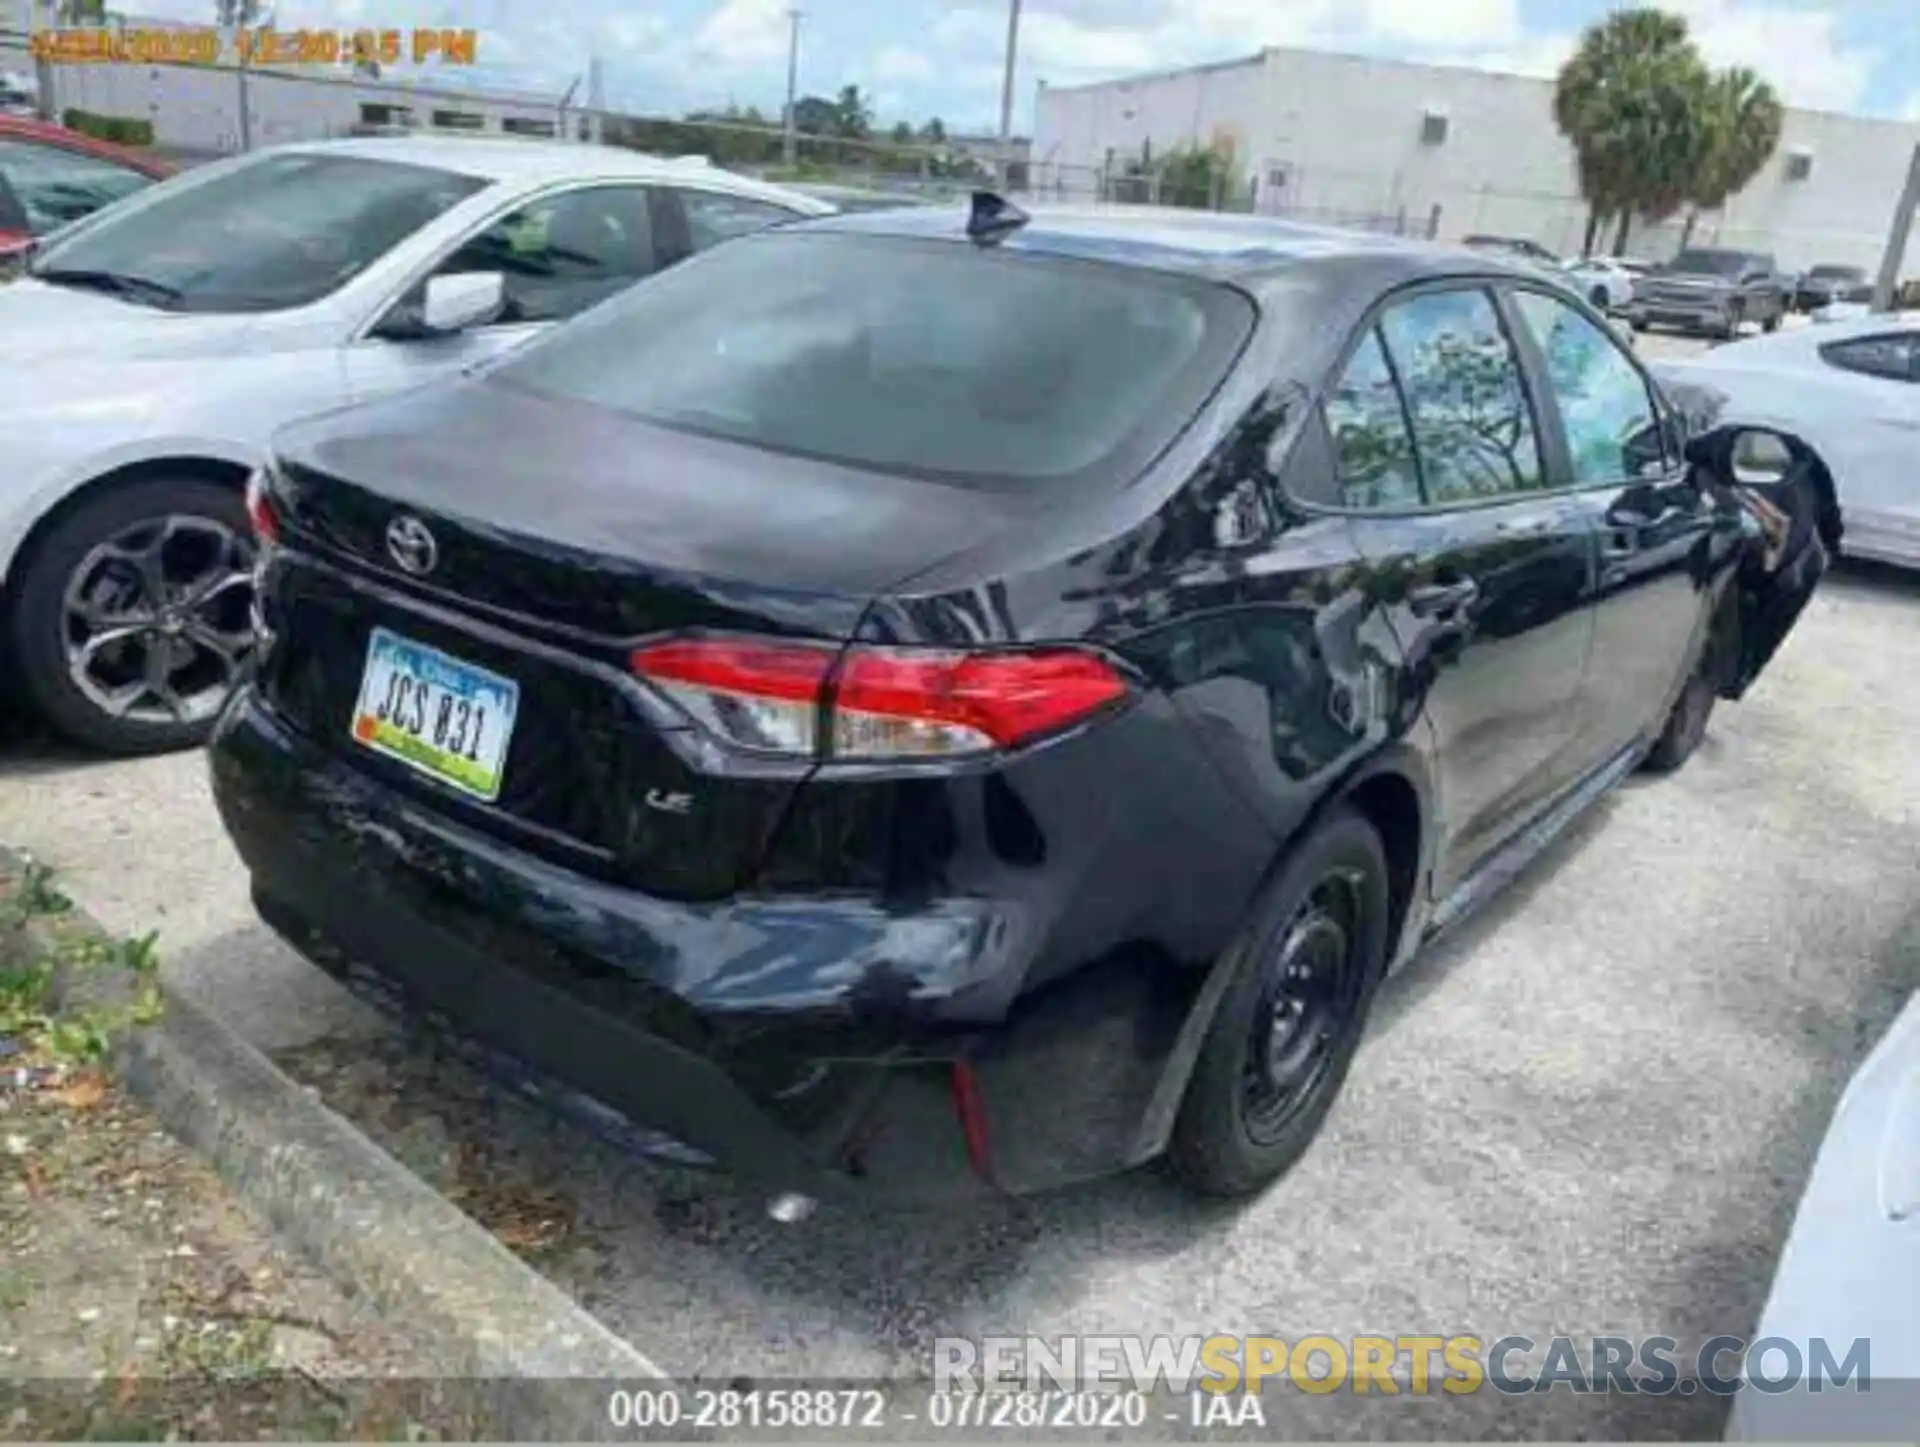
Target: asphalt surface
x,y
1591,1112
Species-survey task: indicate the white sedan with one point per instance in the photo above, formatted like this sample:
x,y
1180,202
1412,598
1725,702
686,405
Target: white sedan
x,y
1602,280
153,348
1851,391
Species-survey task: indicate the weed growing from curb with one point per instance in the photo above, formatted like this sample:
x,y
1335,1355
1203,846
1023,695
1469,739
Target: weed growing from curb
x,y
67,1027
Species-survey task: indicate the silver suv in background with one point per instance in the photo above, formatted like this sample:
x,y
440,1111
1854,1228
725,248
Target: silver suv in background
x,y
1711,291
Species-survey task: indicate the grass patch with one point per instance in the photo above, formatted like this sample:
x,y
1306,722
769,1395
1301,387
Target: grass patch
x,y
76,1026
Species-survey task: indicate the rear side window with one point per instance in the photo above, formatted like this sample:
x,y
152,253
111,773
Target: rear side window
x,y
1373,451
1472,427
924,358
1895,356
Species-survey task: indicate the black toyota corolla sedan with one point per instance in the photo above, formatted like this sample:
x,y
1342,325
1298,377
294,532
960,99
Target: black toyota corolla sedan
x,y
936,701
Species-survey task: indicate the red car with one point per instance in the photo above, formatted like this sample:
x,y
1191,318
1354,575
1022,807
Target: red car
x,y
50,175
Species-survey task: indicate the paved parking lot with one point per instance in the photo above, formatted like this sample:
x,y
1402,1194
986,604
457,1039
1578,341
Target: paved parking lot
x,y
1592,1112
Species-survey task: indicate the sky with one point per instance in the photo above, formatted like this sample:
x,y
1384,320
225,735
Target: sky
x,y
922,58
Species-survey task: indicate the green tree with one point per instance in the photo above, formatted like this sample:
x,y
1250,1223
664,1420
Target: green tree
x,y
1739,130
852,116
1629,100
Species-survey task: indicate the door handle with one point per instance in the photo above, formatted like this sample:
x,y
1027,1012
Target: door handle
x,y
1432,600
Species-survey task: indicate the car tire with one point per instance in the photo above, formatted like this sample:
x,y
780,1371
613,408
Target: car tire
x,y
1601,301
1639,324
92,572
1303,975
1772,323
1686,723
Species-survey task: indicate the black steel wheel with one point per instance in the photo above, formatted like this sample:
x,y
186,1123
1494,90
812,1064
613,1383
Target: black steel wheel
x,y
1291,1016
133,619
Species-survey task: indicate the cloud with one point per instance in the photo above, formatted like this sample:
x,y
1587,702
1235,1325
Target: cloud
x,y
1540,56
1455,25
898,64
1798,49
743,35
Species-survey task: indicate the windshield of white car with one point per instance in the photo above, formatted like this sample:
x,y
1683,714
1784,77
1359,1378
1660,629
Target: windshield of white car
x,y
281,231
1002,371
1837,273
1711,263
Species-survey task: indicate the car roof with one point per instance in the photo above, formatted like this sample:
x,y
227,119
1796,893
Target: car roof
x,y
1220,246
28,128
532,161
850,193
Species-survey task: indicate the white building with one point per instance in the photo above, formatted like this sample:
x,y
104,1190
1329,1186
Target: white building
x,y
1356,141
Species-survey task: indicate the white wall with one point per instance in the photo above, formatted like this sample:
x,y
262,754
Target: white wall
x,y
1347,133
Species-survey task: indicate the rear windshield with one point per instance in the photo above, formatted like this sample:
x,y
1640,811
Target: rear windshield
x,y
1838,273
1712,263
925,358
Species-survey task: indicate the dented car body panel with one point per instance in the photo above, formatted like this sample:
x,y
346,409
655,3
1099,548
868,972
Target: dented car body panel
x,y
783,974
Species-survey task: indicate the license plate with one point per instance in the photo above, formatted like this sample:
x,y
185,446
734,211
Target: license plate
x,y
447,719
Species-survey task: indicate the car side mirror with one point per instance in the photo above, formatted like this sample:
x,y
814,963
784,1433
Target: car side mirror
x,y
467,299
1744,454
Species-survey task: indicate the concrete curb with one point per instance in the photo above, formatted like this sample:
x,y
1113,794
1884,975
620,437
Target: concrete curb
x,y
478,1313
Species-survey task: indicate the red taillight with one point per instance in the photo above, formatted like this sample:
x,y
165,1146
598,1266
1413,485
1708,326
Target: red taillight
x,y
260,514
886,703
971,1109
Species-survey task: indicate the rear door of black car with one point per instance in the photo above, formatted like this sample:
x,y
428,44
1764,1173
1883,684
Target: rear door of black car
x,y
1486,573
1653,524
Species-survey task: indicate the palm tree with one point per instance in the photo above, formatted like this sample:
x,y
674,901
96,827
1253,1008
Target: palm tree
x,y
1627,101
1739,131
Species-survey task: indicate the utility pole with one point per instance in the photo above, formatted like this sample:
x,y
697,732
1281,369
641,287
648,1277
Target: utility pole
x,y
40,15
1896,253
1005,167
246,121
246,17
789,139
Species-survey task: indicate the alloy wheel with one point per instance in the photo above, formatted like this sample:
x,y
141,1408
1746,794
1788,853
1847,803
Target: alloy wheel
x,y
157,619
1310,997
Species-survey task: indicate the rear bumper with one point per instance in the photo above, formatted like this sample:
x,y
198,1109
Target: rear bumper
x,y
795,1040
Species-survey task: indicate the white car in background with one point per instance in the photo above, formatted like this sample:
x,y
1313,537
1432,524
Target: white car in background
x,y
1851,391
152,348
1602,280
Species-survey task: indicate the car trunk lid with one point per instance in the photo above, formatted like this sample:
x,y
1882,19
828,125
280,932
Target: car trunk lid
x,y
465,545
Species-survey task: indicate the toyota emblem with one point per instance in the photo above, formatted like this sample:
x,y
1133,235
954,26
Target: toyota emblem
x,y
411,545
